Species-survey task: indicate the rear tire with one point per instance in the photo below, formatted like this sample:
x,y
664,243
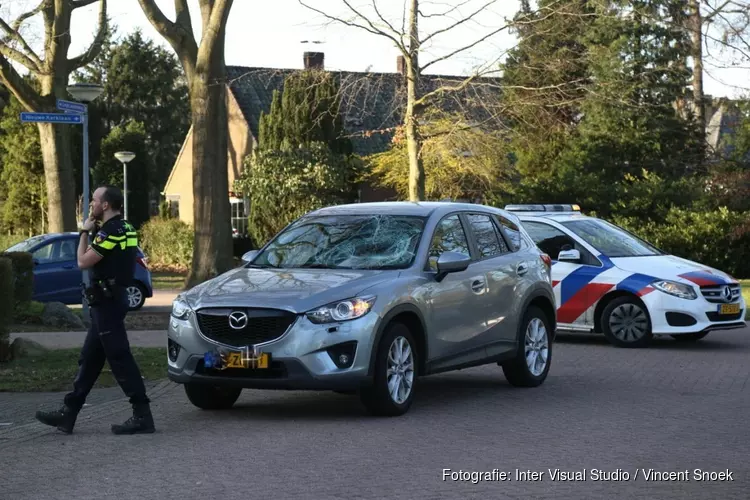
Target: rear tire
x,y
690,337
626,323
530,366
210,397
395,376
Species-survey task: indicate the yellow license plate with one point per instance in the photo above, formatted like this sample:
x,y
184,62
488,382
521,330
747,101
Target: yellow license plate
x,y
243,360
729,308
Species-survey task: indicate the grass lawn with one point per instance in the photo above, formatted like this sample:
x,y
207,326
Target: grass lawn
x,y
54,370
165,280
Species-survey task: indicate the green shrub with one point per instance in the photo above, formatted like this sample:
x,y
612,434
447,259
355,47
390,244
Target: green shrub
x,y
23,270
168,243
8,240
29,312
7,302
718,238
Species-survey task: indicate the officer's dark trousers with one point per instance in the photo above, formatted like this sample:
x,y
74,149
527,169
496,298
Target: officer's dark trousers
x,y
107,340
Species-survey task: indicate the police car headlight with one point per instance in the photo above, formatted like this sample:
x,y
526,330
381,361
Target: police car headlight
x,y
342,311
676,289
180,308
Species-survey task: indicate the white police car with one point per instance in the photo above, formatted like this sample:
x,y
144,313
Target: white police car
x,y
608,281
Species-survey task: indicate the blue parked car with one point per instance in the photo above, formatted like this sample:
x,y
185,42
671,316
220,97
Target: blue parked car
x,y
57,277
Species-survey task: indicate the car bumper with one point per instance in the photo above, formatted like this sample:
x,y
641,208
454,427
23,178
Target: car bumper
x,y
301,359
673,316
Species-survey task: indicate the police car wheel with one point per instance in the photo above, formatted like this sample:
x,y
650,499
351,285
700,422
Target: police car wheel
x,y
136,297
625,323
690,337
531,364
209,397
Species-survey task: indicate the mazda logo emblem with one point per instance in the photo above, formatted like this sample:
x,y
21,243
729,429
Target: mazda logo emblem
x,y
726,293
237,320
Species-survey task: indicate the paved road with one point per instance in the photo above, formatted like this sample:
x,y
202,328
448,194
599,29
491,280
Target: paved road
x,y
670,408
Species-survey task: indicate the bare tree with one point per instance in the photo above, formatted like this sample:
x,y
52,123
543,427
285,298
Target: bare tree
x,y
408,38
52,72
205,71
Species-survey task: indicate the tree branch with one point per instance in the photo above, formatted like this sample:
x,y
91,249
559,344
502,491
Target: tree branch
x,y
18,86
457,23
96,46
81,3
466,47
214,26
179,34
370,28
424,100
30,59
19,21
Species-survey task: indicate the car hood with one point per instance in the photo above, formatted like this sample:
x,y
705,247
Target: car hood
x,y
296,290
671,267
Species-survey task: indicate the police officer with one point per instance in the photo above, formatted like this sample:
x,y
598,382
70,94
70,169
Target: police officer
x,y
112,259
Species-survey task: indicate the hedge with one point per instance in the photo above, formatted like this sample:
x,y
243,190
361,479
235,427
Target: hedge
x,y
23,270
168,243
7,305
719,238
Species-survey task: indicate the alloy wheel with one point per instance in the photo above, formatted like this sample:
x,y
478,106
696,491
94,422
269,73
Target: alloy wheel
x,y
628,322
537,346
400,374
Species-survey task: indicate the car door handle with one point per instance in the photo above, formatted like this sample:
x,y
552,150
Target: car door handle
x,y
477,286
522,269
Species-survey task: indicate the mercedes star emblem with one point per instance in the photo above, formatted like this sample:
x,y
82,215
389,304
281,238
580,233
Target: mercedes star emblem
x,y
727,294
237,320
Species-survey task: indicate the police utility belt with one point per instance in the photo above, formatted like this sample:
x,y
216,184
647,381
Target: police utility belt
x,y
100,290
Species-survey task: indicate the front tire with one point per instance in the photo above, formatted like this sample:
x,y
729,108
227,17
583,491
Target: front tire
x,y
626,323
530,366
690,337
395,375
209,397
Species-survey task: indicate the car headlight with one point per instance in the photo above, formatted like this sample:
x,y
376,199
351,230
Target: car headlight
x,y
342,311
180,308
677,289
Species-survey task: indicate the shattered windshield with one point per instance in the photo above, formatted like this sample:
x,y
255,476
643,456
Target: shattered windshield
x,y
345,242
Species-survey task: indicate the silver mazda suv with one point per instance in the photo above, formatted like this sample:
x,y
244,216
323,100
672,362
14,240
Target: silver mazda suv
x,y
367,298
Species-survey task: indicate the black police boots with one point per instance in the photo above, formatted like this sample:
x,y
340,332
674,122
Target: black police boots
x,y
64,418
142,422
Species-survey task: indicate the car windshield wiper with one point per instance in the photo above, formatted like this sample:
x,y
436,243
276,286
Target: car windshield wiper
x,y
316,266
262,266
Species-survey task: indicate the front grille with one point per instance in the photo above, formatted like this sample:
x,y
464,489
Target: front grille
x,y
263,325
714,316
715,293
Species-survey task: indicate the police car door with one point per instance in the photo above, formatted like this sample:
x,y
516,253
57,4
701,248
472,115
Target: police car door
x,y
571,278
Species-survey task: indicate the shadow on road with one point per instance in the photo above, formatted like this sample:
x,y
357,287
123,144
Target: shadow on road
x,y
708,343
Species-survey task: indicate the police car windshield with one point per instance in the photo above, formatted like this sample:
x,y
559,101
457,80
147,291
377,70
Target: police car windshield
x,y
345,242
609,239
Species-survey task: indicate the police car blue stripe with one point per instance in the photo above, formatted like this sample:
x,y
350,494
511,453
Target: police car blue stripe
x,y
575,281
635,282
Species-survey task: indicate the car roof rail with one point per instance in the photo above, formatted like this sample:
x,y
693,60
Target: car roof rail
x,y
544,208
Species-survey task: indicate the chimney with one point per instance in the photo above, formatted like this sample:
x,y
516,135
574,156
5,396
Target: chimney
x,y
314,60
401,65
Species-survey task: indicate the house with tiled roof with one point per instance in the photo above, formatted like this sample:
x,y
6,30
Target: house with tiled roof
x,y
372,107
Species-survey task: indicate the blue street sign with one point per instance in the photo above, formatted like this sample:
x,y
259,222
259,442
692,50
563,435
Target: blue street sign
x,y
51,117
76,107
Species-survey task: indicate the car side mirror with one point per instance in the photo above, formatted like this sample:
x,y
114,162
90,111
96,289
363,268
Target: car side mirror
x,y
569,256
249,256
451,262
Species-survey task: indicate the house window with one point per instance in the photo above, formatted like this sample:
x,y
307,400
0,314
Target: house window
x,y
239,216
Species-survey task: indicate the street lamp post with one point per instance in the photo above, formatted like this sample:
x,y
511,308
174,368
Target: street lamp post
x,y
85,93
125,157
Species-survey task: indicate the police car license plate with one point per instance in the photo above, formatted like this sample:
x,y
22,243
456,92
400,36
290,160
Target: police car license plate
x,y
729,308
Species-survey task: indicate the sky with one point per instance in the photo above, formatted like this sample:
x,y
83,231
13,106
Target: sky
x,y
271,33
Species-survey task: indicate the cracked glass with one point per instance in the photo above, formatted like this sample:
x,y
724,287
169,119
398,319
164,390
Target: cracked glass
x,y
345,242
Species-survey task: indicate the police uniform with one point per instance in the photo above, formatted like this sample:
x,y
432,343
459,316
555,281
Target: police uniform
x,y
117,243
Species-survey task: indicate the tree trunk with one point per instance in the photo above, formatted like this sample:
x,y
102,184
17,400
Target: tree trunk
x,y
411,120
58,172
212,251
695,24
